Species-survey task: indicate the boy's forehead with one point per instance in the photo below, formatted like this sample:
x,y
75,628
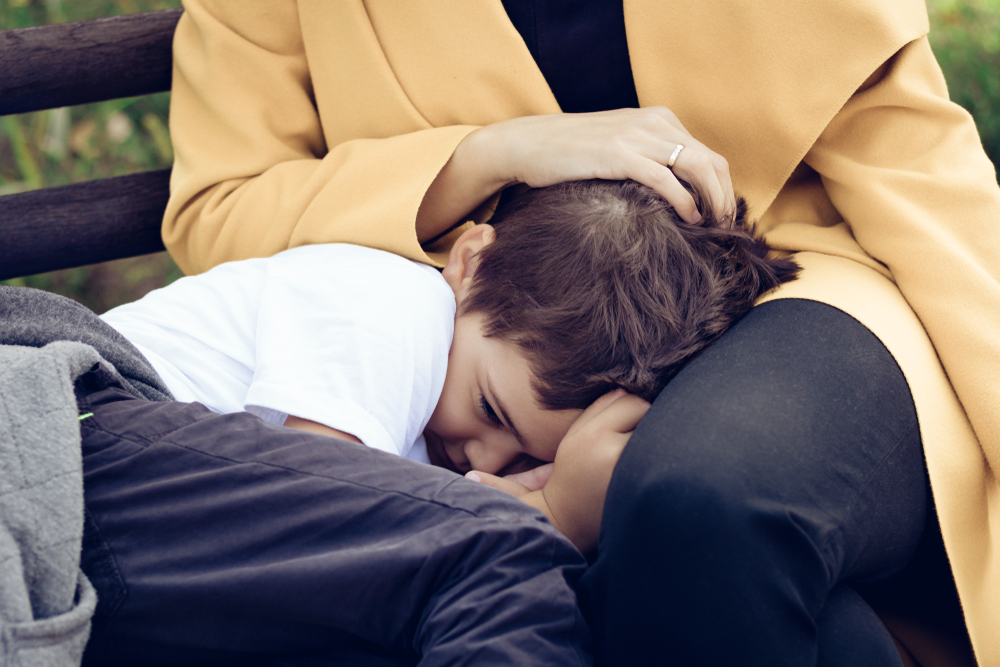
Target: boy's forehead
x,y
509,382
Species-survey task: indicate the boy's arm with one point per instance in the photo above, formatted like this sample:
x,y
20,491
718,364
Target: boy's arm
x,y
573,496
310,426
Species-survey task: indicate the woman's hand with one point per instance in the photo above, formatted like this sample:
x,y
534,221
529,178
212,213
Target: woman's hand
x,y
571,491
613,145
544,150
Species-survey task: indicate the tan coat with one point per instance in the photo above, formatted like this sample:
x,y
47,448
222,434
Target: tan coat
x,y
316,121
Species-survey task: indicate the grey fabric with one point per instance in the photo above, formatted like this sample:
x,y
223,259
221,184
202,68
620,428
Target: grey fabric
x,y
45,600
34,318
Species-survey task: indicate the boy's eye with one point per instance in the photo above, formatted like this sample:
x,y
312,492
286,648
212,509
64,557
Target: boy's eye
x,y
489,411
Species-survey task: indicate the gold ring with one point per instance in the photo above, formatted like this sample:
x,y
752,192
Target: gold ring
x,y
673,156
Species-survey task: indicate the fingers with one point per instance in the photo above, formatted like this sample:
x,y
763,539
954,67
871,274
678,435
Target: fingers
x,y
499,483
535,499
574,495
711,172
670,117
533,479
616,411
618,144
604,401
624,414
699,165
708,172
595,409
696,164
658,177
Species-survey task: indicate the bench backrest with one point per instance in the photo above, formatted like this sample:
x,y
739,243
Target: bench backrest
x,y
76,63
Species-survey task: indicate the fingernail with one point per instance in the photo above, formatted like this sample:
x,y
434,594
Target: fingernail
x,y
473,477
696,218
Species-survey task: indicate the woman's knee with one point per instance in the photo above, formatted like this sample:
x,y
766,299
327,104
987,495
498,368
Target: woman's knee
x,y
690,518
791,418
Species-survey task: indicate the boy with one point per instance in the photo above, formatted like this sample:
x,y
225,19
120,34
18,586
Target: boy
x,y
577,292
220,537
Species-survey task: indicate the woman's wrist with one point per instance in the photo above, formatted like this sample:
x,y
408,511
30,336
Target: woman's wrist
x,y
486,151
474,173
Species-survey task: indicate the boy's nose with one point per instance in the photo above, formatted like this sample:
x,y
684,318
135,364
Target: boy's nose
x,y
489,456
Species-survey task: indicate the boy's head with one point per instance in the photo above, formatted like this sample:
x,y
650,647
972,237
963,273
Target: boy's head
x,y
578,289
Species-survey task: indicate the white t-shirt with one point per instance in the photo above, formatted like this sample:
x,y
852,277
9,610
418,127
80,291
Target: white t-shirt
x,y
350,337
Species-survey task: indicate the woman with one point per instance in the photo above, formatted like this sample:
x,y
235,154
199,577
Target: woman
x,y
784,464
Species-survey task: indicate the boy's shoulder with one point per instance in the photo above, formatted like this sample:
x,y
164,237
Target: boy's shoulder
x,y
361,276
345,258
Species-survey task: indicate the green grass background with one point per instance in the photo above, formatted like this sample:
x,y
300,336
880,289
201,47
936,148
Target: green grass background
x,y
125,136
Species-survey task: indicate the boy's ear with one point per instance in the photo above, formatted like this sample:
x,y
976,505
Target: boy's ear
x,y
463,260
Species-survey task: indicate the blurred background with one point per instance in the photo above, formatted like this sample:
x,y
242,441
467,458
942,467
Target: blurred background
x,y
125,136
81,143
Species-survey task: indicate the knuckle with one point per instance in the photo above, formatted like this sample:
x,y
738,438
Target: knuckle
x,y
619,146
700,162
651,119
721,164
667,114
658,175
686,207
616,171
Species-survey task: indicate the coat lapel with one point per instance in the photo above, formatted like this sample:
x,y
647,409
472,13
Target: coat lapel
x,y
460,62
758,80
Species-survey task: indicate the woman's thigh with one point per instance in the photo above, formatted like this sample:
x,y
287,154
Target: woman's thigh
x,y
783,460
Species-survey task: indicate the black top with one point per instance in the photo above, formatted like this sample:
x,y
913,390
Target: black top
x,y
581,48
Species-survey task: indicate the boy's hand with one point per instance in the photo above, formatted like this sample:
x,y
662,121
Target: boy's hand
x,y
572,496
517,484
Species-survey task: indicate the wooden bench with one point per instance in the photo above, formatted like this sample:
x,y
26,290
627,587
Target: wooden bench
x,y
77,63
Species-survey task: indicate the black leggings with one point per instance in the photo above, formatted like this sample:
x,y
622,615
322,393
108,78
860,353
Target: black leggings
x,y
778,468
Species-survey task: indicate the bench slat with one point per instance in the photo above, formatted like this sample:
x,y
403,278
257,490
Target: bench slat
x,y
87,61
84,223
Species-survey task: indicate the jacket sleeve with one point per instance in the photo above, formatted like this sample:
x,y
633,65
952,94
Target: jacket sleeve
x,y
253,174
906,169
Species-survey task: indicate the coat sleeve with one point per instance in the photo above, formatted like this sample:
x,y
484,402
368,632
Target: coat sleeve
x,y
253,174
906,169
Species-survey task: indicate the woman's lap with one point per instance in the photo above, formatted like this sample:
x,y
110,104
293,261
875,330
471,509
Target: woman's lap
x,y
781,463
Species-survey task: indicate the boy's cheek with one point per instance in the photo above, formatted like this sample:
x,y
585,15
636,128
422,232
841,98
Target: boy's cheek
x,y
437,453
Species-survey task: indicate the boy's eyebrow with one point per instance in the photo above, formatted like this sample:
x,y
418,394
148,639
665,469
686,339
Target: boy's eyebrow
x,y
503,412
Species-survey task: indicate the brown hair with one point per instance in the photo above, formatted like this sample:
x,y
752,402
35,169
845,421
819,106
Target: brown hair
x,y
604,286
